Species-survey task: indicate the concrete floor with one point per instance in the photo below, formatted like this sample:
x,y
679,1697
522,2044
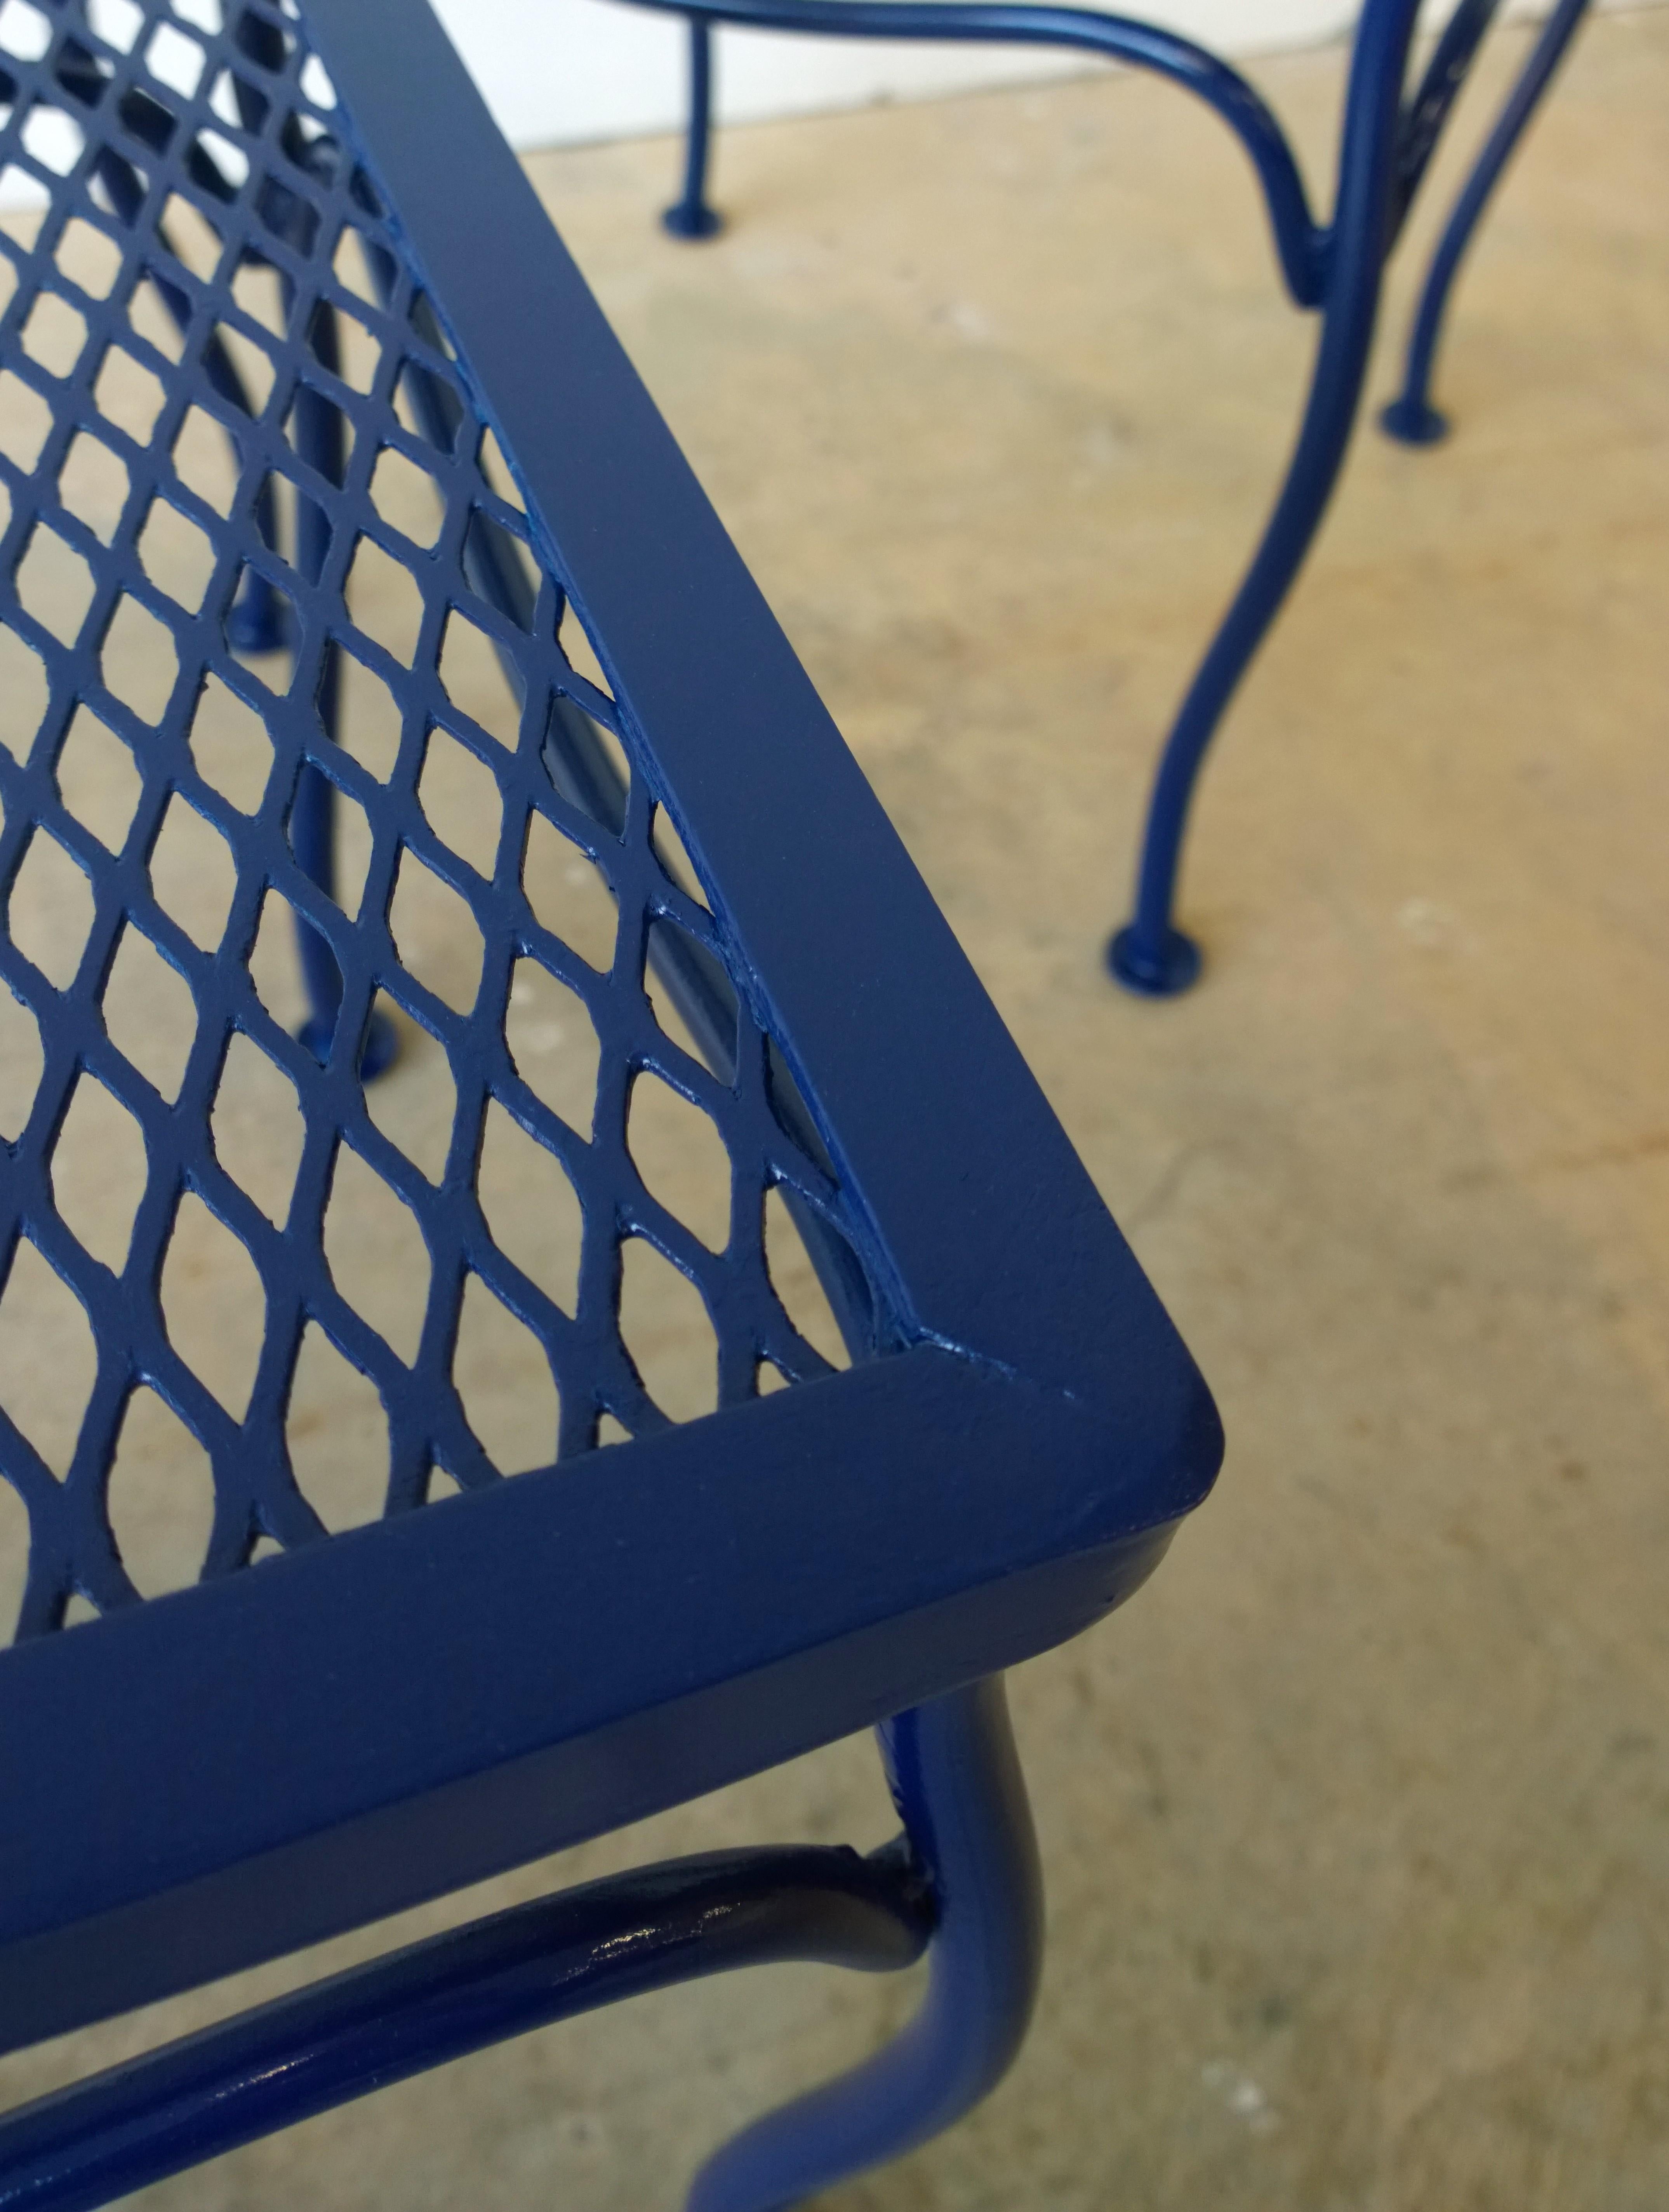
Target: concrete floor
x,y
1355,1825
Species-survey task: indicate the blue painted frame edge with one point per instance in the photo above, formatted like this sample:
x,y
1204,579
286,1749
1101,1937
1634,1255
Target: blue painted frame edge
x,y
397,1712
412,1707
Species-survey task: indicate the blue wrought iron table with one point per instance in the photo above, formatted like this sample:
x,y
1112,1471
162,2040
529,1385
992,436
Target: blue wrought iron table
x,y
1391,129
283,270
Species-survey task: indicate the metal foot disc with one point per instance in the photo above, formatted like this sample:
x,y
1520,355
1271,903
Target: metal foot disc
x,y
1164,974
686,221
1414,422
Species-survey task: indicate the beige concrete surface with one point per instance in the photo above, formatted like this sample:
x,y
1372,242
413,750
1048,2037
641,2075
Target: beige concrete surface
x,y
1355,1825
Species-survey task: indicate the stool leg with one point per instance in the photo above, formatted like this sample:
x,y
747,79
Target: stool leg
x,y
312,839
691,217
255,620
255,623
1150,955
1411,418
312,816
957,1783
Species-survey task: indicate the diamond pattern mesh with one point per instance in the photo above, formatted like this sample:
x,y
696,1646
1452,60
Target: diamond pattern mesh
x,y
307,760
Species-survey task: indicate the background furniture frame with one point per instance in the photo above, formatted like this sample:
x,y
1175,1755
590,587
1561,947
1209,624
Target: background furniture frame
x,y
1335,268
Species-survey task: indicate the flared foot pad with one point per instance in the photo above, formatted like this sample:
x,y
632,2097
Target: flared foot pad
x,y
1154,972
686,221
382,1044
1414,422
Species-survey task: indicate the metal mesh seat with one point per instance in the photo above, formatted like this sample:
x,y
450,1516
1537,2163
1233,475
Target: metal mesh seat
x,y
380,689
308,519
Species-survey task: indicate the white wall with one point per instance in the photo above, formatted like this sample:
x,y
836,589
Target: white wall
x,y
562,72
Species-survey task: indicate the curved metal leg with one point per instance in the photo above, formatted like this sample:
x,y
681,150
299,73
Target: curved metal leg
x,y
691,217
312,838
319,440
435,2001
255,621
1298,243
957,1783
1411,418
1150,955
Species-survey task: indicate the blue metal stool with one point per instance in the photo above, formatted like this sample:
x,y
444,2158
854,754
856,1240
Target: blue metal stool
x,y
1335,268
297,236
